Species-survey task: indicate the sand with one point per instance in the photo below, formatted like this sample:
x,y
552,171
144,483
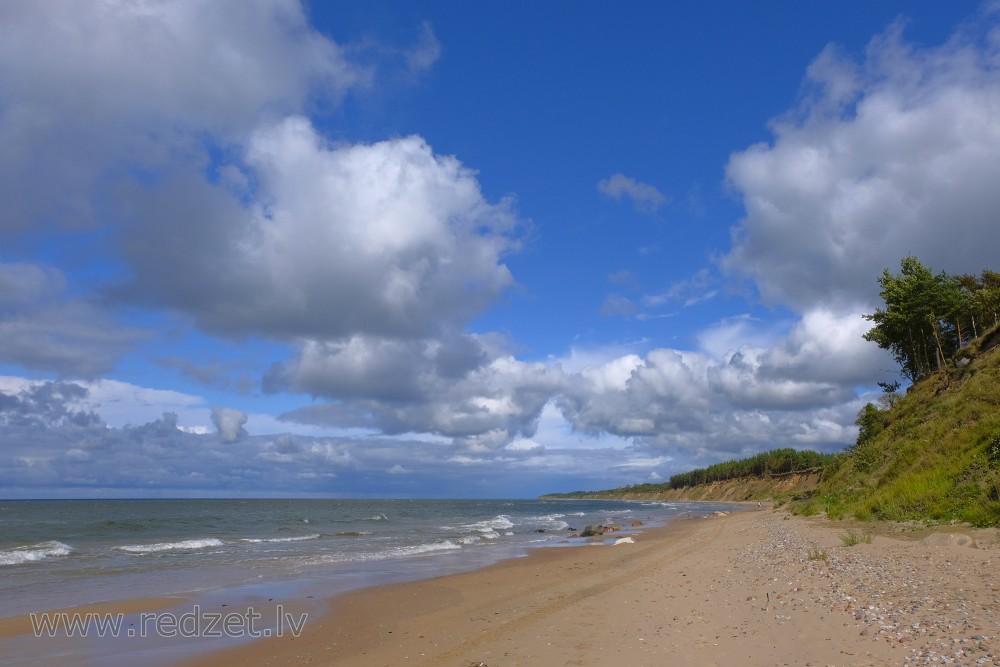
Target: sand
x,y
724,590
751,588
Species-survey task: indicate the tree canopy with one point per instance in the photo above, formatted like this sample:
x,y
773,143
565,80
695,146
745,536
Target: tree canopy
x,y
929,316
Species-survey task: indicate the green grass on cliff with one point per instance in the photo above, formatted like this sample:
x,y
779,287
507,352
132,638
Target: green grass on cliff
x,y
934,456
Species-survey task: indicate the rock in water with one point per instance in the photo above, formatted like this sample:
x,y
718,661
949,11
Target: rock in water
x,y
590,531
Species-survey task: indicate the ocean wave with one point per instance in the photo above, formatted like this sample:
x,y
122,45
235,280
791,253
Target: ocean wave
x,y
300,538
400,552
501,522
419,549
377,517
186,545
548,521
35,552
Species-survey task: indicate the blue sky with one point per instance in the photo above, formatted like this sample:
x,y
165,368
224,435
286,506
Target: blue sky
x,y
477,249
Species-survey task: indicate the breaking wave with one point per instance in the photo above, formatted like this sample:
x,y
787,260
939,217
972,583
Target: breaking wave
x,y
35,552
185,545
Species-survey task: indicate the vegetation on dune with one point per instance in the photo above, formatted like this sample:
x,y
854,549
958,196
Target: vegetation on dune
x,y
776,463
932,454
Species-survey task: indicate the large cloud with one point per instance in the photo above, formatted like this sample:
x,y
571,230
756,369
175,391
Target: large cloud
x,y
896,154
96,95
482,406
775,389
87,88
386,239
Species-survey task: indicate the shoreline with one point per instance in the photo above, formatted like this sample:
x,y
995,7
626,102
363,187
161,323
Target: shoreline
x,y
162,628
359,625
736,589
753,587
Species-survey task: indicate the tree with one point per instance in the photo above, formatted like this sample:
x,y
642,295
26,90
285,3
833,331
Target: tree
x,y
870,422
921,322
983,301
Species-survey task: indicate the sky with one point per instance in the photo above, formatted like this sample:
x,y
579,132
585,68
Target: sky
x,y
275,248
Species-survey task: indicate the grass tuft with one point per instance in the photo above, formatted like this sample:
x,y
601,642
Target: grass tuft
x,y
852,537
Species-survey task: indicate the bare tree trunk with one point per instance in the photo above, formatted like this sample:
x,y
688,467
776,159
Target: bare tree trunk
x,y
939,353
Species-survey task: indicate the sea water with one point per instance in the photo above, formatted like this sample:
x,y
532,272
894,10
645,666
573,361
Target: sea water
x,y
62,553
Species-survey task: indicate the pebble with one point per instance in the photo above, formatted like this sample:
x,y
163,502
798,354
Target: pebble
x,y
934,604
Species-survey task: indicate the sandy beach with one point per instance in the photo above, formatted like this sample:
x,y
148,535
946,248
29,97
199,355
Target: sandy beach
x,y
752,588
758,587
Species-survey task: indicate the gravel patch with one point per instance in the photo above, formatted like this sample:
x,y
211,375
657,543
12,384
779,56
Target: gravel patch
x,y
936,605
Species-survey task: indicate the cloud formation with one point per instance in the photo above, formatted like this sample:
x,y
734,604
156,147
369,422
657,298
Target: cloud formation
x,y
386,239
44,328
645,197
218,199
229,423
896,153
80,100
55,450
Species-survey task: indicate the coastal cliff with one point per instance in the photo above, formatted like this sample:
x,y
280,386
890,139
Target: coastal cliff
x,y
731,490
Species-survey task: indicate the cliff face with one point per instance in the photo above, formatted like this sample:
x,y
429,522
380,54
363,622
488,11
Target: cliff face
x,y
747,488
732,490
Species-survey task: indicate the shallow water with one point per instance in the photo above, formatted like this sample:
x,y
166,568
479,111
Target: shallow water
x,y
56,554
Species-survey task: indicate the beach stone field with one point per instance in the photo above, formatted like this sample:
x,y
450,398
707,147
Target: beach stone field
x,y
931,599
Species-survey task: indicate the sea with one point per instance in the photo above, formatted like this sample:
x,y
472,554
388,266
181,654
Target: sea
x,y
61,553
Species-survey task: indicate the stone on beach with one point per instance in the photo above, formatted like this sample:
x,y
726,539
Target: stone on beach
x,y
949,539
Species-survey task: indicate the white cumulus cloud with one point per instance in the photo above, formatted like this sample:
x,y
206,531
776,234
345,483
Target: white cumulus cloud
x,y
897,153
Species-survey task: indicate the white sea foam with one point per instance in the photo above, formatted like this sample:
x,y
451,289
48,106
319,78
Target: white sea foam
x,y
300,538
396,552
418,549
186,545
548,521
501,522
35,552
